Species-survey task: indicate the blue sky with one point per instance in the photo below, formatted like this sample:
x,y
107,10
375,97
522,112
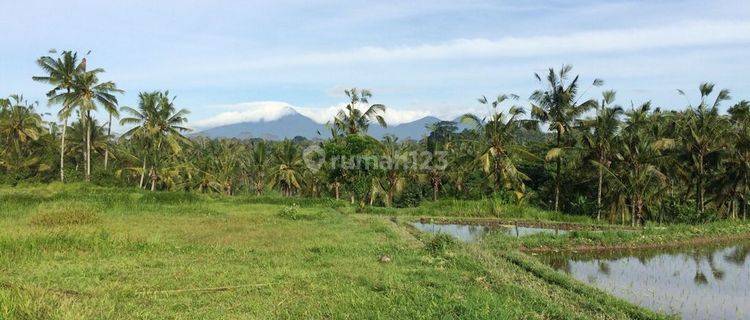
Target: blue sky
x,y
229,61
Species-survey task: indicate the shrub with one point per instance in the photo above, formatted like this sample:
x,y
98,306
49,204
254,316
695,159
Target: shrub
x,y
64,213
439,243
685,212
292,212
409,198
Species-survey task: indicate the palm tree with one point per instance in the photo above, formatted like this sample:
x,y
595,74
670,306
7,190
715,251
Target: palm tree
x,y
287,168
558,105
112,112
4,104
258,164
100,140
19,124
703,133
159,126
737,174
227,164
638,176
391,180
499,150
351,119
598,136
61,72
88,94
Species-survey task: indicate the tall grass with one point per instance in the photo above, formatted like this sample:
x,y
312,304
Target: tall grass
x,y
64,213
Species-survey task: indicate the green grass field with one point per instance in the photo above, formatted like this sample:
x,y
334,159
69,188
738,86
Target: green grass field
x,y
79,251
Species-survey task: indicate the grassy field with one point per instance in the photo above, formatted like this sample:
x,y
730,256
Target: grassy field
x,y
80,251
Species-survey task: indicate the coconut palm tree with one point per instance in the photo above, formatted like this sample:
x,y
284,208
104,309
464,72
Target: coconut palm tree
x,y
703,136
159,127
351,119
737,174
558,105
599,134
20,124
87,94
287,168
100,141
61,72
391,179
227,164
636,173
258,165
499,151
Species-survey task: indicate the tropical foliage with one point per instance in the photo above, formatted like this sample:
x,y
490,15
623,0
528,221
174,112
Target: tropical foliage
x,y
571,152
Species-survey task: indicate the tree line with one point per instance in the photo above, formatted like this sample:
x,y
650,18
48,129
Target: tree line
x,y
564,151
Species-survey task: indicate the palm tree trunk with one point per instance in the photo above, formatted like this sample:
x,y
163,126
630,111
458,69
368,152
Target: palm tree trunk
x,y
106,151
599,196
699,185
152,174
62,150
557,174
434,190
88,146
143,174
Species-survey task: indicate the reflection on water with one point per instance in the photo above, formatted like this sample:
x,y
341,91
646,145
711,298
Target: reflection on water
x,y
527,231
471,233
698,283
463,232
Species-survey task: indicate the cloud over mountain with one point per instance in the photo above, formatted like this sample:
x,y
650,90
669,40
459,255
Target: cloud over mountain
x,y
265,111
247,112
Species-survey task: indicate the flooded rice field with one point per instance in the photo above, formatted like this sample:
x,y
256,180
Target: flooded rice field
x,y
472,232
697,283
463,232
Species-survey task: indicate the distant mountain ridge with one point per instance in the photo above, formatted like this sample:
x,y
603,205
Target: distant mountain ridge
x,y
295,124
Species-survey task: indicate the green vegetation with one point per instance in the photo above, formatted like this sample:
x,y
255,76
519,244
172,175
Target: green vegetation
x,y
566,152
63,213
235,228
489,208
164,255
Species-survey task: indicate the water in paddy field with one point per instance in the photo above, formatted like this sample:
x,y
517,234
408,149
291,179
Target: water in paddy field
x,y
463,232
471,233
697,283
527,231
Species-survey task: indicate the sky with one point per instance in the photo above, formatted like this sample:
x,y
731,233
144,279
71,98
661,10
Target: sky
x,y
233,61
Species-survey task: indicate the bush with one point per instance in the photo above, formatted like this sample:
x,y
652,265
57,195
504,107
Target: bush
x,y
675,211
439,243
409,198
290,212
64,213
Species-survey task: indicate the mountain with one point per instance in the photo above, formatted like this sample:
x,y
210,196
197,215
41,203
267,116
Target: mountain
x,y
414,130
295,124
285,127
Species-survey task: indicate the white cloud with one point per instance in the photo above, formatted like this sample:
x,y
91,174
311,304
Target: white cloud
x,y
246,112
682,34
273,110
